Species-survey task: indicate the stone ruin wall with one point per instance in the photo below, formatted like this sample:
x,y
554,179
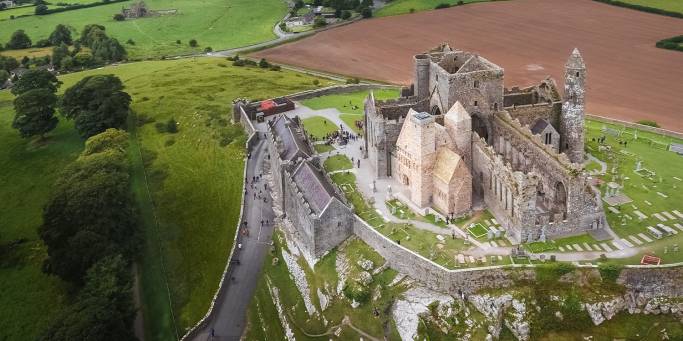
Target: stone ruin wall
x,y
333,227
527,153
530,113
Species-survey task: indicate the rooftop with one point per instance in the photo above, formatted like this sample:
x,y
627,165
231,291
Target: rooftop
x,y
291,135
314,186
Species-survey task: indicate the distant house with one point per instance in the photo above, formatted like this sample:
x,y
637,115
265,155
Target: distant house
x,y
6,3
17,73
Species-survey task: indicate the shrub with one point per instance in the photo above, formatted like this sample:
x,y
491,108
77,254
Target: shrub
x,y
649,123
460,3
442,5
238,62
346,15
609,272
553,271
352,81
160,127
366,12
193,43
178,41
319,22
673,43
42,43
119,17
208,49
412,10
41,9
172,126
316,82
263,63
275,68
356,293
130,42
283,26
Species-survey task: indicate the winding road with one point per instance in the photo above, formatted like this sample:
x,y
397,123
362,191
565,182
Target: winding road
x,y
230,312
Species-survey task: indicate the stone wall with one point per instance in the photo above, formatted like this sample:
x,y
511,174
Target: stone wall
x,y
336,89
654,280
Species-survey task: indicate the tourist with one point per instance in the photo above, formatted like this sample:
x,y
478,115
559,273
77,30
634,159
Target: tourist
x,y
239,246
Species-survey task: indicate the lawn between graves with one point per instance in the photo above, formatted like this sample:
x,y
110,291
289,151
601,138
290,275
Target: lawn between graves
x,y
213,23
319,127
337,163
195,180
652,150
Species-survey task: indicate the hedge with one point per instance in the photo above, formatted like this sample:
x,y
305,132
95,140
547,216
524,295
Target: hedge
x,y
673,43
79,6
642,8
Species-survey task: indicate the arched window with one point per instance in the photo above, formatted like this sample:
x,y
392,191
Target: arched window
x,y
495,106
577,74
476,84
476,103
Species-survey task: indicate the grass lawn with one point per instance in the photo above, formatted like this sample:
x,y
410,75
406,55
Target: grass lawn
x,y
16,11
28,297
477,230
319,126
215,23
33,52
323,148
397,7
195,179
669,5
336,163
651,149
350,103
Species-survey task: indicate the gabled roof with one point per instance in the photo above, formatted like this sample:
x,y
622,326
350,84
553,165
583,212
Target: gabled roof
x,y
540,126
575,60
457,113
447,162
314,186
475,63
292,137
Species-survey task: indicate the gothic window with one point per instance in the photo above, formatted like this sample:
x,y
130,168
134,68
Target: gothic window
x,y
577,74
476,103
495,106
548,138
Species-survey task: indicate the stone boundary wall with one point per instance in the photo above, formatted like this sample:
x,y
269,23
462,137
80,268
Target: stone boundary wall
x,y
246,122
337,89
661,131
658,280
192,332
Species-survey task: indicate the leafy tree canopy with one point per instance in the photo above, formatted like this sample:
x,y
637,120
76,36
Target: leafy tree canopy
x,y
8,63
61,35
19,40
35,113
96,103
36,79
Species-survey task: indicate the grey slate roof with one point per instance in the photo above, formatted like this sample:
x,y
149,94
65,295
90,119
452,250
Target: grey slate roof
x,y
293,140
539,126
314,186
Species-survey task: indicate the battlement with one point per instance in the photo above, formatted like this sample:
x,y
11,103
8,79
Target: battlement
x,y
544,93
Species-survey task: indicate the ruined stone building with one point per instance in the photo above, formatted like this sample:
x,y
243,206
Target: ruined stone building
x,y
459,140
317,209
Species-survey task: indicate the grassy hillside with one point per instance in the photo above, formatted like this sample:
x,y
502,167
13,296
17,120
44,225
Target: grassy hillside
x,y
219,24
397,7
194,179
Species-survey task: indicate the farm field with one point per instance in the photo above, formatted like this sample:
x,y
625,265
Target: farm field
x,y
213,23
194,177
621,57
397,7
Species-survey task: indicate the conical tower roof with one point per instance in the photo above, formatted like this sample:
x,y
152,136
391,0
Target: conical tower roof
x,y
575,60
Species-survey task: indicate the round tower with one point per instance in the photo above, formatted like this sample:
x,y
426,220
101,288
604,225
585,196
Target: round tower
x,y
573,108
422,62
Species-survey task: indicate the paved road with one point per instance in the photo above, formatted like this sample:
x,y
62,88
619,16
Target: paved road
x,y
229,317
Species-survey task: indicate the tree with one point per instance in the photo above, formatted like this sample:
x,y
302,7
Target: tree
x,y
36,79
366,12
104,309
61,35
193,43
346,15
263,63
41,9
108,49
35,113
4,76
8,63
96,103
59,53
90,214
119,17
19,40
92,33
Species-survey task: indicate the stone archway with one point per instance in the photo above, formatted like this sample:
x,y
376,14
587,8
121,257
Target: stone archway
x,y
435,111
560,200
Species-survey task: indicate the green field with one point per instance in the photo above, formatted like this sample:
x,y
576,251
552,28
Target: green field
x,y
669,5
194,176
216,23
319,127
336,163
350,103
397,7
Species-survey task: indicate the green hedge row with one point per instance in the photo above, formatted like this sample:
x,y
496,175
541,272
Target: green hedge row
x,y
674,43
642,8
79,6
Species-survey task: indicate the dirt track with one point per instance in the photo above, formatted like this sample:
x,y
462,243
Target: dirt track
x,y
628,78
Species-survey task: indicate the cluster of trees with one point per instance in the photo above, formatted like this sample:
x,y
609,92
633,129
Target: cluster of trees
x,y
21,40
95,103
91,234
673,43
642,8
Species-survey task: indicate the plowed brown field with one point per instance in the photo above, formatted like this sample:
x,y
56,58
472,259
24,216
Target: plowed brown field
x,y
628,78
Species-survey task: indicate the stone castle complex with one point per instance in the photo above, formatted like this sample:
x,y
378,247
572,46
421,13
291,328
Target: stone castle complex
x,y
458,140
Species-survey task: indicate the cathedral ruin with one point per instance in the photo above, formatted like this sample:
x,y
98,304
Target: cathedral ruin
x,y
459,141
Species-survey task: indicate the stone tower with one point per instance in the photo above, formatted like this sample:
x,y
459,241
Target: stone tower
x,y
422,64
458,124
573,108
